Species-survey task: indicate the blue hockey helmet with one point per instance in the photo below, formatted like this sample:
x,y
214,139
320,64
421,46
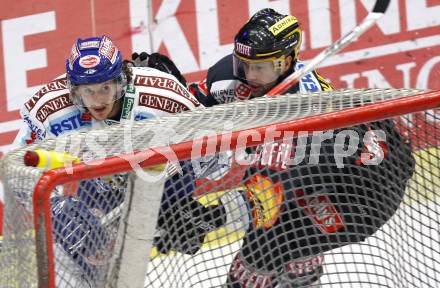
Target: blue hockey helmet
x,y
93,60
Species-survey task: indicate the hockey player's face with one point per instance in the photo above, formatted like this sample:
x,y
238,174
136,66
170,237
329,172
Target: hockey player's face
x,y
99,98
261,76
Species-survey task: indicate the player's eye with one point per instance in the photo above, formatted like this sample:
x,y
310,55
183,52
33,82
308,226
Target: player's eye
x,y
87,92
260,66
106,89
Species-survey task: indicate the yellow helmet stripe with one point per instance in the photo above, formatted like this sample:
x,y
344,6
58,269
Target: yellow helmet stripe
x,y
292,32
259,60
267,54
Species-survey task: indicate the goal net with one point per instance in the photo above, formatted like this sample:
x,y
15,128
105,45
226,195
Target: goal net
x,y
338,189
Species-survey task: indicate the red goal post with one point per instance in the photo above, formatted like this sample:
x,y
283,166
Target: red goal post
x,y
275,119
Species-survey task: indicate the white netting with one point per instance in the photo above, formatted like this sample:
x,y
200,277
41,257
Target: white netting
x,y
290,222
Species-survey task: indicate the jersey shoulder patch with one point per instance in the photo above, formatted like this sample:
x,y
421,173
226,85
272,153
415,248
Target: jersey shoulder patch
x,y
58,84
165,83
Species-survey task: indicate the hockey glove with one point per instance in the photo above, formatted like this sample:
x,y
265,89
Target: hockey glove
x,y
183,226
159,62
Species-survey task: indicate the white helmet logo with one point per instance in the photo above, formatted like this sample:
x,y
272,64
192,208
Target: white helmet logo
x,y
89,61
90,71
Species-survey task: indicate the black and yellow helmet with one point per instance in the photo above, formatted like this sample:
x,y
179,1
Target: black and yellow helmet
x,y
268,35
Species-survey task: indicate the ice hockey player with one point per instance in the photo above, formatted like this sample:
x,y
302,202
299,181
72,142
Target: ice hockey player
x,y
266,50
99,89
75,102
313,206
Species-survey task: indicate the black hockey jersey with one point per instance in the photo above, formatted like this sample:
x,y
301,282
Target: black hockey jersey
x,y
328,201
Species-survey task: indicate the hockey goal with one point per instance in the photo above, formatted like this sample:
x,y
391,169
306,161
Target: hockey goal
x,y
389,237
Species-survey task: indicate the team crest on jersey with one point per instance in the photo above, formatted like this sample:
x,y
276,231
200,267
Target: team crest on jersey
x,y
242,91
321,211
89,61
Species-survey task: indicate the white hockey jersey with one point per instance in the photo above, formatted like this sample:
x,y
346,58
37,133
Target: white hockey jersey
x,y
150,94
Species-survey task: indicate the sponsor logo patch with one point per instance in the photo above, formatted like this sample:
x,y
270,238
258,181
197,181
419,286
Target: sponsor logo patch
x,y
224,95
274,155
127,106
90,71
167,84
89,61
308,82
143,115
69,122
321,210
224,90
243,49
110,122
130,89
306,265
55,85
53,106
89,45
162,103
248,277
242,91
36,133
281,25
108,50
74,54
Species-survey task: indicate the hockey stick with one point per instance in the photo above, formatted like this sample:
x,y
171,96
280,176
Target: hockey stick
x,y
378,11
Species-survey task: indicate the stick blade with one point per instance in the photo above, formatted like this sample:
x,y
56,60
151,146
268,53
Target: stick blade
x,y
381,6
